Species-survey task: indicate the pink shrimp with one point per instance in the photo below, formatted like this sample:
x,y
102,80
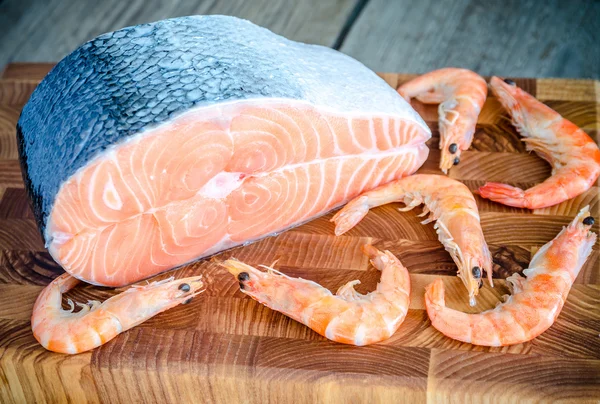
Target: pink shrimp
x,y
453,207
536,300
574,156
461,94
347,316
64,331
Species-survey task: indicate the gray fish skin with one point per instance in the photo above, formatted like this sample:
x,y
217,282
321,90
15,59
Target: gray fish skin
x,y
131,80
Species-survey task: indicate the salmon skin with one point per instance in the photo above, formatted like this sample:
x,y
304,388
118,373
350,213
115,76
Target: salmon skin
x,y
155,145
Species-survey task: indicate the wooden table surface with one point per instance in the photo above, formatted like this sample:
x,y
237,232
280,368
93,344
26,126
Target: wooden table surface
x,y
526,38
225,347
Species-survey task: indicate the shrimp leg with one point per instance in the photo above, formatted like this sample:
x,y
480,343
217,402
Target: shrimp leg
x,y
536,300
64,331
348,316
450,203
574,156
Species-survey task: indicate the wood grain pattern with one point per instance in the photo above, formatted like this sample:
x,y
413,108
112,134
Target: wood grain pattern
x,y
32,374
26,267
18,309
8,146
16,91
476,376
20,234
15,204
26,71
297,249
218,364
567,90
10,173
226,347
9,115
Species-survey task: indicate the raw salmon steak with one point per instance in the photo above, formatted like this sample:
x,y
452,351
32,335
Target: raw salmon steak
x,y
155,145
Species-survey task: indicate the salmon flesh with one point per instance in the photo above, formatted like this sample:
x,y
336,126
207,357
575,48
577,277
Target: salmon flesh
x,y
156,145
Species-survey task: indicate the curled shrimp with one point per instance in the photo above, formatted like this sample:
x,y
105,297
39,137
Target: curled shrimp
x,y
574,156
348,316
461,94
450,203
536,300
64,331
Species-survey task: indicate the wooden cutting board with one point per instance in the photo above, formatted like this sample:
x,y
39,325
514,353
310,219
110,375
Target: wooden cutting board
x,y
225,347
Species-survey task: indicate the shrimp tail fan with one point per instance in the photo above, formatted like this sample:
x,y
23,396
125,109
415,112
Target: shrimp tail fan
x,y
505,194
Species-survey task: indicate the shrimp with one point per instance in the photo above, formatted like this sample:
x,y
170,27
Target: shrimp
x,y
348,316
536,300
450,203
461,94
574,156
64,331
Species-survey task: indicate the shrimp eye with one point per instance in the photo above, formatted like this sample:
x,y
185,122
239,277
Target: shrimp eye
x,y
589,221
509,81
456,161
242,286
476,272
453,148
243,276
184,287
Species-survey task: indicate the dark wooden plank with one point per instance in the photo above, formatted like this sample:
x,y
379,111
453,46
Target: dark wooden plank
x,y
20,234
42,31
14,204
514,38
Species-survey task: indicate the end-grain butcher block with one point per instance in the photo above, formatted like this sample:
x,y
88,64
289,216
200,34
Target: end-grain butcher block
x,y
155,145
